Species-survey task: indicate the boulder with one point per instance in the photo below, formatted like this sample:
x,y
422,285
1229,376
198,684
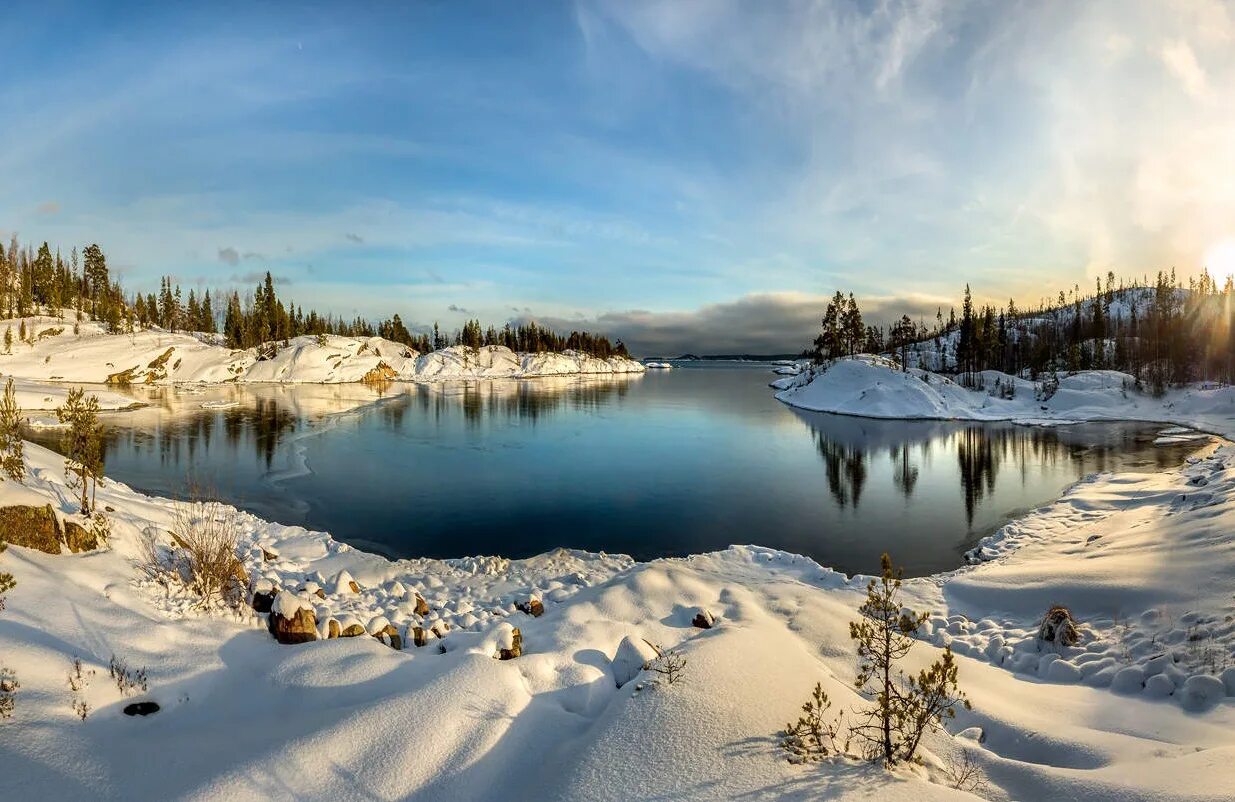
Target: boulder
x,y
269,554
78,538
32,527
422,606
349,627
292,619
702,619
343,583
509,642
263,600
1058,628
1201,692
632,656
418,636
533,607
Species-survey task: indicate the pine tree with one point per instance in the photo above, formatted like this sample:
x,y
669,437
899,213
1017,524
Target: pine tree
x,y
12,448
82,443
905,708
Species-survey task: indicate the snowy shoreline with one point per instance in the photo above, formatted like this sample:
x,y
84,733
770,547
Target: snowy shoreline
x,y
874,387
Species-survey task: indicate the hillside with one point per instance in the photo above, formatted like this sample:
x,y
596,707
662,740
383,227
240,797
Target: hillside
x,y
155,356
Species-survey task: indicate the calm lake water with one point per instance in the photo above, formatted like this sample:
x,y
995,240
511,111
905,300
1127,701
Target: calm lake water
x,y
669,463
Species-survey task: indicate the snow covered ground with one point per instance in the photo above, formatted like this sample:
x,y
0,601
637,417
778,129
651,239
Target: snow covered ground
x,y
1145,562
156,357
875,387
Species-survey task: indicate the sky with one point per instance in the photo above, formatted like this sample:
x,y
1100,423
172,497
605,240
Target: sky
x,y
688,176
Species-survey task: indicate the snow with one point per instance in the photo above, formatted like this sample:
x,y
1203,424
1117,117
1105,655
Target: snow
x,y
155,356
1142,708
875,387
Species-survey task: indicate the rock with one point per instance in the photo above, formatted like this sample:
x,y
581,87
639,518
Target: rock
x,y
78,538
1159,664
381,372
422,606
1128,680
632,655
263,600
1062,671
975,734
1058,628
533,607
702,619
343,583
418,636
1159,686
292,619
141,708
349,627
333,630
1228,679
1200,692
32,527
390,636
269,554
509,642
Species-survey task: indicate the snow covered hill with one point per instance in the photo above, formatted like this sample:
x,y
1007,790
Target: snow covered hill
x,y
1141,708
875,387
155,357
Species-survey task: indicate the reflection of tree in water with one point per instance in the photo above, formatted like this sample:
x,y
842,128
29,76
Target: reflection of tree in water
x,y
846,470
979,461
905,473
526,400
270,421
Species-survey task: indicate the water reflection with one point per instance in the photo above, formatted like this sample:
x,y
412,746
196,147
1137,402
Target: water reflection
x,y
673,463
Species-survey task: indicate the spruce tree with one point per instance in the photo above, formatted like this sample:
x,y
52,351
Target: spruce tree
x,y
12,448
83,444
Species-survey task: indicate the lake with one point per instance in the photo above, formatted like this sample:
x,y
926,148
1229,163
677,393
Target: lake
x,y
668,463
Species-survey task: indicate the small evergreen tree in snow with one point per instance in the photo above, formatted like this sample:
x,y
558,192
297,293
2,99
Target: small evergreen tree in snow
x,y
12,449
83,444
8,340
905,707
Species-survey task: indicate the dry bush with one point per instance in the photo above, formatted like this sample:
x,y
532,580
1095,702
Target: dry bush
x,y
964,774
203,560
128,680
668,665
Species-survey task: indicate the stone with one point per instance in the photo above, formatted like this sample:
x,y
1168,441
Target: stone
x,y
418,636
1128,680
292,619
263,600
422,606
33,527
78,538
511,646
1159,686
332,628
390,636
633,654
1058,628
141,708
702,619
533,607
352,631
269,554
1201,692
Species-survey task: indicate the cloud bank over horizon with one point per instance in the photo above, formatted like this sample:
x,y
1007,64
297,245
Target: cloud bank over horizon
x,y
704,163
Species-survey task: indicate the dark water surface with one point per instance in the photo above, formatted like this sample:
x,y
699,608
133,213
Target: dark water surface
x,y
669,463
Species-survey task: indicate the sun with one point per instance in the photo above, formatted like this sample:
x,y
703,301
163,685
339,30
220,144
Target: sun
x,y
1220,258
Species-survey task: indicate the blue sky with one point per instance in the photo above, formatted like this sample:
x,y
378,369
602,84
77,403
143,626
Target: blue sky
x,y
690,176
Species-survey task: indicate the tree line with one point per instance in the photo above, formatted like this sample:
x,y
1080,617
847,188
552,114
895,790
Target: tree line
x,y
32,279
1161,331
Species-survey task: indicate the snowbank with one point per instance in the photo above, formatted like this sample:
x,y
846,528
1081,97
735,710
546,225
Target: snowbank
x,y
1146,564
159,357
875,387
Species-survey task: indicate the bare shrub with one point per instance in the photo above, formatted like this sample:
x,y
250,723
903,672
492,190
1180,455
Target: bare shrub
x,y
1058,627
813,736
204,560
668,665
128,680
964,773
8,692
79,678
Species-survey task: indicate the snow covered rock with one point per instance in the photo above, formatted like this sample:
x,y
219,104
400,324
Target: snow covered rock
x,y
702,619
633,654
1200,692
1128,680
533,607
1058,628
292,619
343,583
264,592
350,627
78,538
509,642
422,606
1159,686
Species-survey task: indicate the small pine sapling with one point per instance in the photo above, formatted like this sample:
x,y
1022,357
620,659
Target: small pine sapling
x,y
813,736
12,448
